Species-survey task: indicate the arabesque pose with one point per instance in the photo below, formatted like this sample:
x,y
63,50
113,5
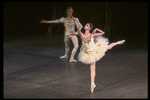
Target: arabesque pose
x,y
93,48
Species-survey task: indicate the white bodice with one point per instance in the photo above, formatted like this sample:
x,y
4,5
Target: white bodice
x,y
89,43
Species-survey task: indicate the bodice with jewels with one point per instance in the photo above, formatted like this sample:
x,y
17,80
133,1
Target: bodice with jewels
x,y
89,43
69,25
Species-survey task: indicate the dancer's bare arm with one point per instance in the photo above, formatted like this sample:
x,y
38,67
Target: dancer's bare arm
x,y
80,25
97,34
78,28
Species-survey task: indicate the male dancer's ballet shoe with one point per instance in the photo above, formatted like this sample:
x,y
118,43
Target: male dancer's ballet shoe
x,y
72,60
63,57
121,42
92,87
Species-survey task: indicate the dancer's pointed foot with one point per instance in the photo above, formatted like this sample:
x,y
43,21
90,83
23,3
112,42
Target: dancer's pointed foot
x,y
92,87
121,42
72,60
64,57
115,43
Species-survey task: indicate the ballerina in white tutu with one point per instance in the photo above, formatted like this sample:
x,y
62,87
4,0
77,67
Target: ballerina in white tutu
x,y
93,48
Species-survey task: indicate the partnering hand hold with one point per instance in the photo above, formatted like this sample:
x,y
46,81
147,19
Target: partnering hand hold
x,y
73,33
73,18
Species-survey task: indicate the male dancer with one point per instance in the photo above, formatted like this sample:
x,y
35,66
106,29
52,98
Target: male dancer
x,y
69,32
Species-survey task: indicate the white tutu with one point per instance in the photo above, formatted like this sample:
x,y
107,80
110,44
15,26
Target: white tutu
x,y
94,50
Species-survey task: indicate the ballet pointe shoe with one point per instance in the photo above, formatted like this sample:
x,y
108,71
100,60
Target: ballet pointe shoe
x,y
121,42
92,87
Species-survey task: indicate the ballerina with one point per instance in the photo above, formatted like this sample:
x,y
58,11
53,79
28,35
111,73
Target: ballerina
x,y
93,48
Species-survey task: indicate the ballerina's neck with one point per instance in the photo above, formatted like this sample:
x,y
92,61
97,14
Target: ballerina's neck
x,y
86,34
87,31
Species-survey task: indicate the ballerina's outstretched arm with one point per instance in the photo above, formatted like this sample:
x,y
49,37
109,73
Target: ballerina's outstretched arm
x,y
97,34
78,28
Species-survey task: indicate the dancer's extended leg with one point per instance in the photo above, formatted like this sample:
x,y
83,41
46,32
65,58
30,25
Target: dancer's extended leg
x,y
114,44
75,43
92,67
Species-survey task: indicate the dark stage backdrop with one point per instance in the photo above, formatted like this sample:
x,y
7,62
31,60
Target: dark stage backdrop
x,y
129,20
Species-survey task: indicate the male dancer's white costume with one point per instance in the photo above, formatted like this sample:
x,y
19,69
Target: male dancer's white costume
x,y
69,28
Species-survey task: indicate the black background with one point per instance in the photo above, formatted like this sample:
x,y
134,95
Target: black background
x,y
129,20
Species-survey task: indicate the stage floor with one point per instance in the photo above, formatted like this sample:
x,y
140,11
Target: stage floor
x,y
32,69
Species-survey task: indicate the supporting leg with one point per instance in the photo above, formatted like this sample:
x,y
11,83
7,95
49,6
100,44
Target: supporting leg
x,y
92,67
75,43
67,43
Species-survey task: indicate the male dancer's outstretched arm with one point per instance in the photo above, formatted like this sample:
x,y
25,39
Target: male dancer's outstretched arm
x,y
61,20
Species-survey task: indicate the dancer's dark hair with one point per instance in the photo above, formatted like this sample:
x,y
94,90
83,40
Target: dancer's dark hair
x,y
91,26
69,8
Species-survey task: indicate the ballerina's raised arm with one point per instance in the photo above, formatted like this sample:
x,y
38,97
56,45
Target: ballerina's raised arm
x,y
78,28
97,34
